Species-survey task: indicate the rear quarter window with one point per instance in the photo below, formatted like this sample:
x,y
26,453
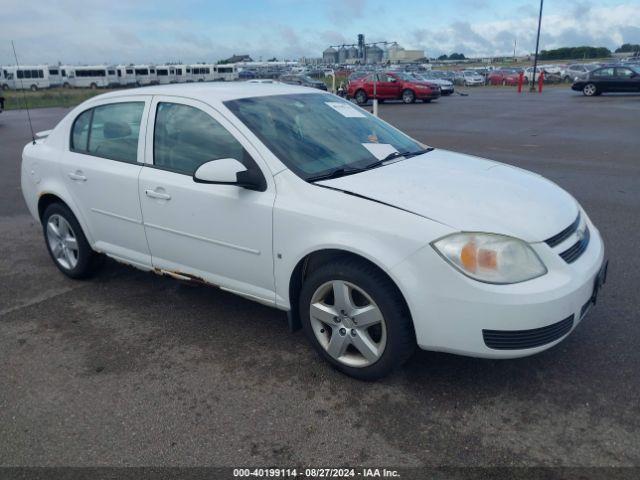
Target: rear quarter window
x,y
109,131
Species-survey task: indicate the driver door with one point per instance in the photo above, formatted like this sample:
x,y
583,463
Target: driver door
x,y
221,234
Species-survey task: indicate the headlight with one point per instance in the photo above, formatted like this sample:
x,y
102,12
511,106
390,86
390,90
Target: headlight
x,y
491,258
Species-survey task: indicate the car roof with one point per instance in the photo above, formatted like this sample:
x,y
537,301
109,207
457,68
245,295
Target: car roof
x,y
211,92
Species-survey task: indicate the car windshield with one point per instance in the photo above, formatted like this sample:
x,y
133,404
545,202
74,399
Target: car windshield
x,y
315,134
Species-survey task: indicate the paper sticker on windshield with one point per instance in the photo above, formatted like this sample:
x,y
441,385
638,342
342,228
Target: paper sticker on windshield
x,y
380,150
345,110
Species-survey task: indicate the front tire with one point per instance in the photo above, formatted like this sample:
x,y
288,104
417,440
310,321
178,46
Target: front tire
x,y
590,90
408,96
34,88
356,319
66,243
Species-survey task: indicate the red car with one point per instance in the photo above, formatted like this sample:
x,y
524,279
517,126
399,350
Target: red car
x,y
503,77
392,86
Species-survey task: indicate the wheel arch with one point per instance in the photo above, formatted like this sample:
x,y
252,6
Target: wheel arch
x,y
313,260
48,197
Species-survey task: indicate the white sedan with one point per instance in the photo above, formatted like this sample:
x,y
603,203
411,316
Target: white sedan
x,y
295,198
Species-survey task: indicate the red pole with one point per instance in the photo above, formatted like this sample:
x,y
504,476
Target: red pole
x,y
520,81
540,81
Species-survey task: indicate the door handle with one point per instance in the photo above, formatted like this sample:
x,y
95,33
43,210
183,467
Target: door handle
x,y
158,195
77,176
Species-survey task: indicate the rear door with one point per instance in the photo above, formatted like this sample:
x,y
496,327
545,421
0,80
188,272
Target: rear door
x,y
221,234
627,80
100,168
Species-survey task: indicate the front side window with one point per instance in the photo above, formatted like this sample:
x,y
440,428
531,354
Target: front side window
x,y
313,134
186,137
109,131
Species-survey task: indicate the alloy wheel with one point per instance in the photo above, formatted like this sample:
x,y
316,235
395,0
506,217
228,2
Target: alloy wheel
x,y
348,324
589,89
62,242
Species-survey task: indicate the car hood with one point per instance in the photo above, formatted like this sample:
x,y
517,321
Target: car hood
x,y
467,193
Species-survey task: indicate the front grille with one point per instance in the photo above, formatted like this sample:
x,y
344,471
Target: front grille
x,y
520,339
564,234
573,253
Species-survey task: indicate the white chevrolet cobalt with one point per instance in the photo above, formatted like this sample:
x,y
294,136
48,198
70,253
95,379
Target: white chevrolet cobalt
x,y
371,241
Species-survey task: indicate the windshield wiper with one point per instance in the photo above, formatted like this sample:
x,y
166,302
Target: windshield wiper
x,y
394,155
341,171
335,173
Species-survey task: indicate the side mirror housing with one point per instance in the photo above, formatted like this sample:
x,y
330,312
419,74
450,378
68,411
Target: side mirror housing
x,y
229,171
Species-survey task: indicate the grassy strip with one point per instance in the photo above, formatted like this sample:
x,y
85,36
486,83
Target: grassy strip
x,y
51,97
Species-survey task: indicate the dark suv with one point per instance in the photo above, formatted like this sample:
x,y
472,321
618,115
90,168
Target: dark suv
x,y
304,80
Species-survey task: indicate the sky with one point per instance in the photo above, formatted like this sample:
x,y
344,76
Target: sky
x,y
157,31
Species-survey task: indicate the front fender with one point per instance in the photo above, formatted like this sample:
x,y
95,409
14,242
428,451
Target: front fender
x,y
308,218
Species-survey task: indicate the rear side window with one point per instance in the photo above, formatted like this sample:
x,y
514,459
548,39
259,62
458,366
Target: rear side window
x,y
109,131
80,132
603,72
185,137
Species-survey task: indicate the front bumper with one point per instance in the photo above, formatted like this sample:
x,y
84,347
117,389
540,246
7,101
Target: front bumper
x,y
453,313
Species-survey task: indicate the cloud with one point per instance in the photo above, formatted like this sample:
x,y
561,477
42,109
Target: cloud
x,y
598,26
84,31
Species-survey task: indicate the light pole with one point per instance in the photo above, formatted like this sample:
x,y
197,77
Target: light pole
x,y
535,59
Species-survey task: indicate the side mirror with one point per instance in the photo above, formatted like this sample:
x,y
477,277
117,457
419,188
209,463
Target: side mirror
x,y
229,171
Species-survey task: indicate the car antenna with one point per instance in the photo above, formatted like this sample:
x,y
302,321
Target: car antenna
x,y
24,95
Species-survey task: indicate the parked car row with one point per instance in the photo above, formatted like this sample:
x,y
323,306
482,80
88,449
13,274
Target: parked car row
x,y
104,76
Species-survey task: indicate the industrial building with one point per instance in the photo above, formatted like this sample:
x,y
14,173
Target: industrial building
x,y
368,53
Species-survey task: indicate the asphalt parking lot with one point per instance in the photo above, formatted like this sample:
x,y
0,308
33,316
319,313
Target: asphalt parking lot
x,y
134,369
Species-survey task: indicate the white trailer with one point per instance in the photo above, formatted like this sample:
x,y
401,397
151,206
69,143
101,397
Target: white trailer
x,y
145,74
31,77
126,75
227,73
181,74
55,76
166,74
92,76
202,72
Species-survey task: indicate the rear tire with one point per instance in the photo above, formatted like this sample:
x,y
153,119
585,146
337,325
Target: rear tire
x,y
67,244
361,97
34,88
387,338
408,96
